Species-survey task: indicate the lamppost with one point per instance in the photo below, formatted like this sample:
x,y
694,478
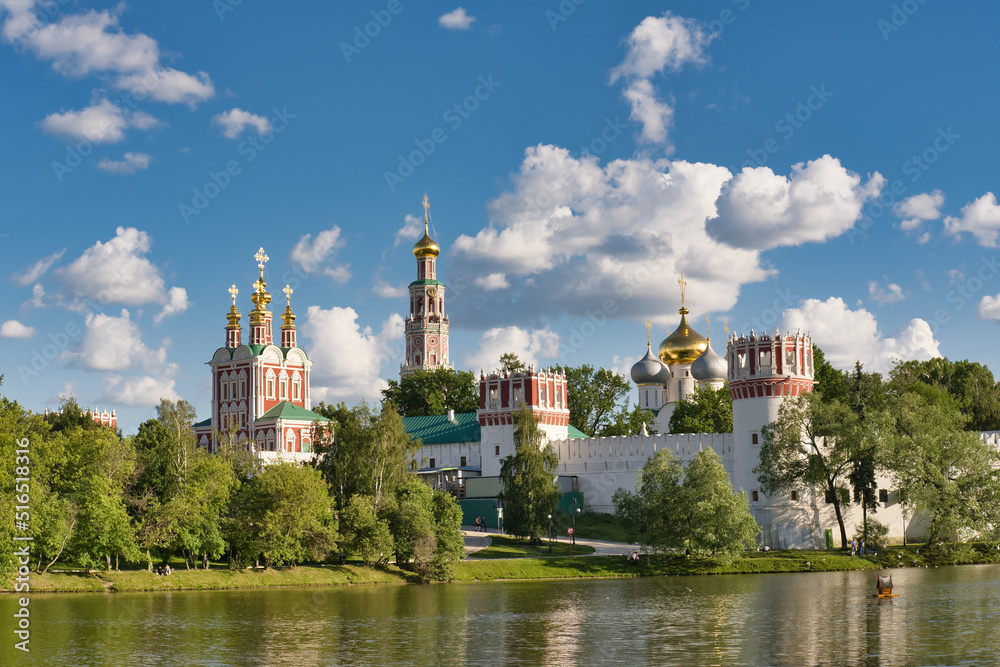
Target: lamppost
x,y
550,533
576,510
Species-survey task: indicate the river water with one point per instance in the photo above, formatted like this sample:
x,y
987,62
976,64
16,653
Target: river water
x,y
945,616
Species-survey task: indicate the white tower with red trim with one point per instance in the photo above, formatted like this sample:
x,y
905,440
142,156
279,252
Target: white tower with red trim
x,y
764,371
427,324
501,396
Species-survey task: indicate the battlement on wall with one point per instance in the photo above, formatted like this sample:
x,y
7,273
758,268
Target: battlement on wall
x,y
639,448
501,396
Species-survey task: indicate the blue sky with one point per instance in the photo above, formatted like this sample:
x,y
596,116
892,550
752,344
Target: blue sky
x,y
829,167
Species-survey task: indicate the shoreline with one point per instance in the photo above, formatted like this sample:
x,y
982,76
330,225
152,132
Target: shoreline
x,y
480,570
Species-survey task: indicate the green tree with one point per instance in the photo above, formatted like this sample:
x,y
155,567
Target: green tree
x,y
528,479
449,545
831,383
425,393
364,533
410,516
718,520
511,363
53,520
707,411
971,384
650,513
807,446
195,511
942,469
103,529
597,400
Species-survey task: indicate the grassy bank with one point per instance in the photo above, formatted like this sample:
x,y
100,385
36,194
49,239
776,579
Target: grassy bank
x,y
499,569
503,546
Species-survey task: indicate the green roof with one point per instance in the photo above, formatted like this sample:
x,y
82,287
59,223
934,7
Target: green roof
x,y
437,430
207,422
286,410
426,282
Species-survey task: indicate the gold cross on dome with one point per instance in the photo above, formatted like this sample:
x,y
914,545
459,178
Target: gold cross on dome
x,y
649,332
707,328
233,292
261,259
288,294
727,328
683,284
427,203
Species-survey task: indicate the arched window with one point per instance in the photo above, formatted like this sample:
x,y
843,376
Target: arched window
x,y
753,496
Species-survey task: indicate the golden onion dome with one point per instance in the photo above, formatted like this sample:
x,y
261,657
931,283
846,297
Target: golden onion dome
x,y
684,345
426,247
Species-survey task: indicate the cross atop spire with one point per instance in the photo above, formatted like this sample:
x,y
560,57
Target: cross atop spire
x,y
707,328
649,333
427,209
288,294
261,259
683,284
233,292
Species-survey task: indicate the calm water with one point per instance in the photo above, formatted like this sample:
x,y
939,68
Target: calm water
x,y
947,616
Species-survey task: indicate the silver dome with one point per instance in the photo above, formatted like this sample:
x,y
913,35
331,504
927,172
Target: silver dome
x,y
647,369
709,366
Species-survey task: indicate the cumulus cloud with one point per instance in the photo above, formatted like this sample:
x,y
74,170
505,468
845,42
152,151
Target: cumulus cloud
x,y
492,282
234,121
658,43
116,272
351,360
94,42
131,163
115,344
312,256
981,218
914,210
177,302
818,201
141,390
847,335
14,329
577,238
891,293
387,291
531,346
457,19
411,229
99,123
989,308
38,269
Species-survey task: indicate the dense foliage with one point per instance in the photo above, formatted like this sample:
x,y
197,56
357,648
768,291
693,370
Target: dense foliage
x,y
707,411
529,481
425,393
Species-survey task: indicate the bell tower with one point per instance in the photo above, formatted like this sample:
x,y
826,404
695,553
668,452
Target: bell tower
x,y
427,324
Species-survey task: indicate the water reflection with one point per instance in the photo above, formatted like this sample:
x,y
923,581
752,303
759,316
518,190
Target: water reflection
x,y
944,616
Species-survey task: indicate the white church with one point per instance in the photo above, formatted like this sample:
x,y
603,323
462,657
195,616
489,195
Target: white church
x,y
762,371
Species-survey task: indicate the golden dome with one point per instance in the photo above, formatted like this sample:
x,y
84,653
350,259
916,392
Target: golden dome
x,y
684,345
426,247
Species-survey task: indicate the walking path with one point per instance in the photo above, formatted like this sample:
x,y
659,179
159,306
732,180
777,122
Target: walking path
x,y
477,540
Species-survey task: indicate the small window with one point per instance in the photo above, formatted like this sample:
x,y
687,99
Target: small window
x,y
270,387
463,462
883,495
284,390
753,439
754,496
497,450
430,463
687,373
795,495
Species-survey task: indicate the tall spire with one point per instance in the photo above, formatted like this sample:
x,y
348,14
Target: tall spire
x,y
288,320
233,328
426,246
260,317
683,284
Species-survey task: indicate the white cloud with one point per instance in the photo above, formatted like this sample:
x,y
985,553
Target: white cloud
x,y
411,229
530,347
457,19
658,43
14,329
93,42
351,361
989,308
891,293
493,281
115,272
387,291
914,210
142,390
847,335
981,218
38,269
234,121
820,200
114,344
579,237
177,302
311,256
131,163
102,122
